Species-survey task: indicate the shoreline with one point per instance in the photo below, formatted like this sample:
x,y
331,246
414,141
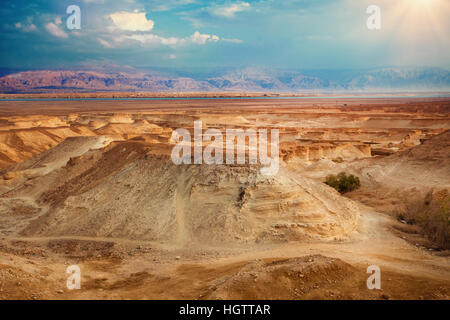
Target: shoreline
x,y
217,95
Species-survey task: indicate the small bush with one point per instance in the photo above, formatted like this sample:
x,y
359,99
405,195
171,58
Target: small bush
x,y
435,221
338,160
342,182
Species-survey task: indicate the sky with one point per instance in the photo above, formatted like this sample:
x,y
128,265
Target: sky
x,y
284,34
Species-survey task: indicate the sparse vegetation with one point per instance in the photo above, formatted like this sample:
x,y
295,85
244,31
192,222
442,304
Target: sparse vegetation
x,y
342,182
432,215
338,160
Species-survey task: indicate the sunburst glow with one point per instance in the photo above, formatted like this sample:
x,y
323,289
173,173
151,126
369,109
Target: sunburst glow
x,y
425,2
415,24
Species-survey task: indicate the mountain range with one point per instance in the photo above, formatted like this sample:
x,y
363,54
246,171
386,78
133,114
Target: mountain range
x,y
112,78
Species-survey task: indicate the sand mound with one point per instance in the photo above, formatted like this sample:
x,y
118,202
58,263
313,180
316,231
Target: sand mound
x,y
131,130
19,145
52,159
133,190
282,279
121,118
17,283
423,167
318,151
435,150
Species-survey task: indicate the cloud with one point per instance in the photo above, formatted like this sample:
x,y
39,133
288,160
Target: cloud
x,y
233,40
54,30
58,20
25,28
165,5
195,22
228,11
105,43
199,38
132,21
152,39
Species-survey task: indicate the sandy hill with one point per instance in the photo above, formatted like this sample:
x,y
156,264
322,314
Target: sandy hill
x,y
240,79
424,166
421,167
131,189
434,151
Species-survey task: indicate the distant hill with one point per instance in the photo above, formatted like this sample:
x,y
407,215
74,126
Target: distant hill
x,y
402,78
247,79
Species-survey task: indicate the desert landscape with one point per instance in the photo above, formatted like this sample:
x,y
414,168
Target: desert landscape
x,y
91,183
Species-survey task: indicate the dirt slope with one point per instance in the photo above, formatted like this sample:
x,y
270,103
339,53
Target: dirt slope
x,y
131,190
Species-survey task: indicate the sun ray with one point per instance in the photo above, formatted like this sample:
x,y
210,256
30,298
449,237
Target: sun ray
x,y
413,25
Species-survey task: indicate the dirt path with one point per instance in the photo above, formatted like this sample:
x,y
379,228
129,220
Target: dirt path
x,y
373,243
190,271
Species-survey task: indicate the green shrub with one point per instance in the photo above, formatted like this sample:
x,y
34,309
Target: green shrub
x,y
342,182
